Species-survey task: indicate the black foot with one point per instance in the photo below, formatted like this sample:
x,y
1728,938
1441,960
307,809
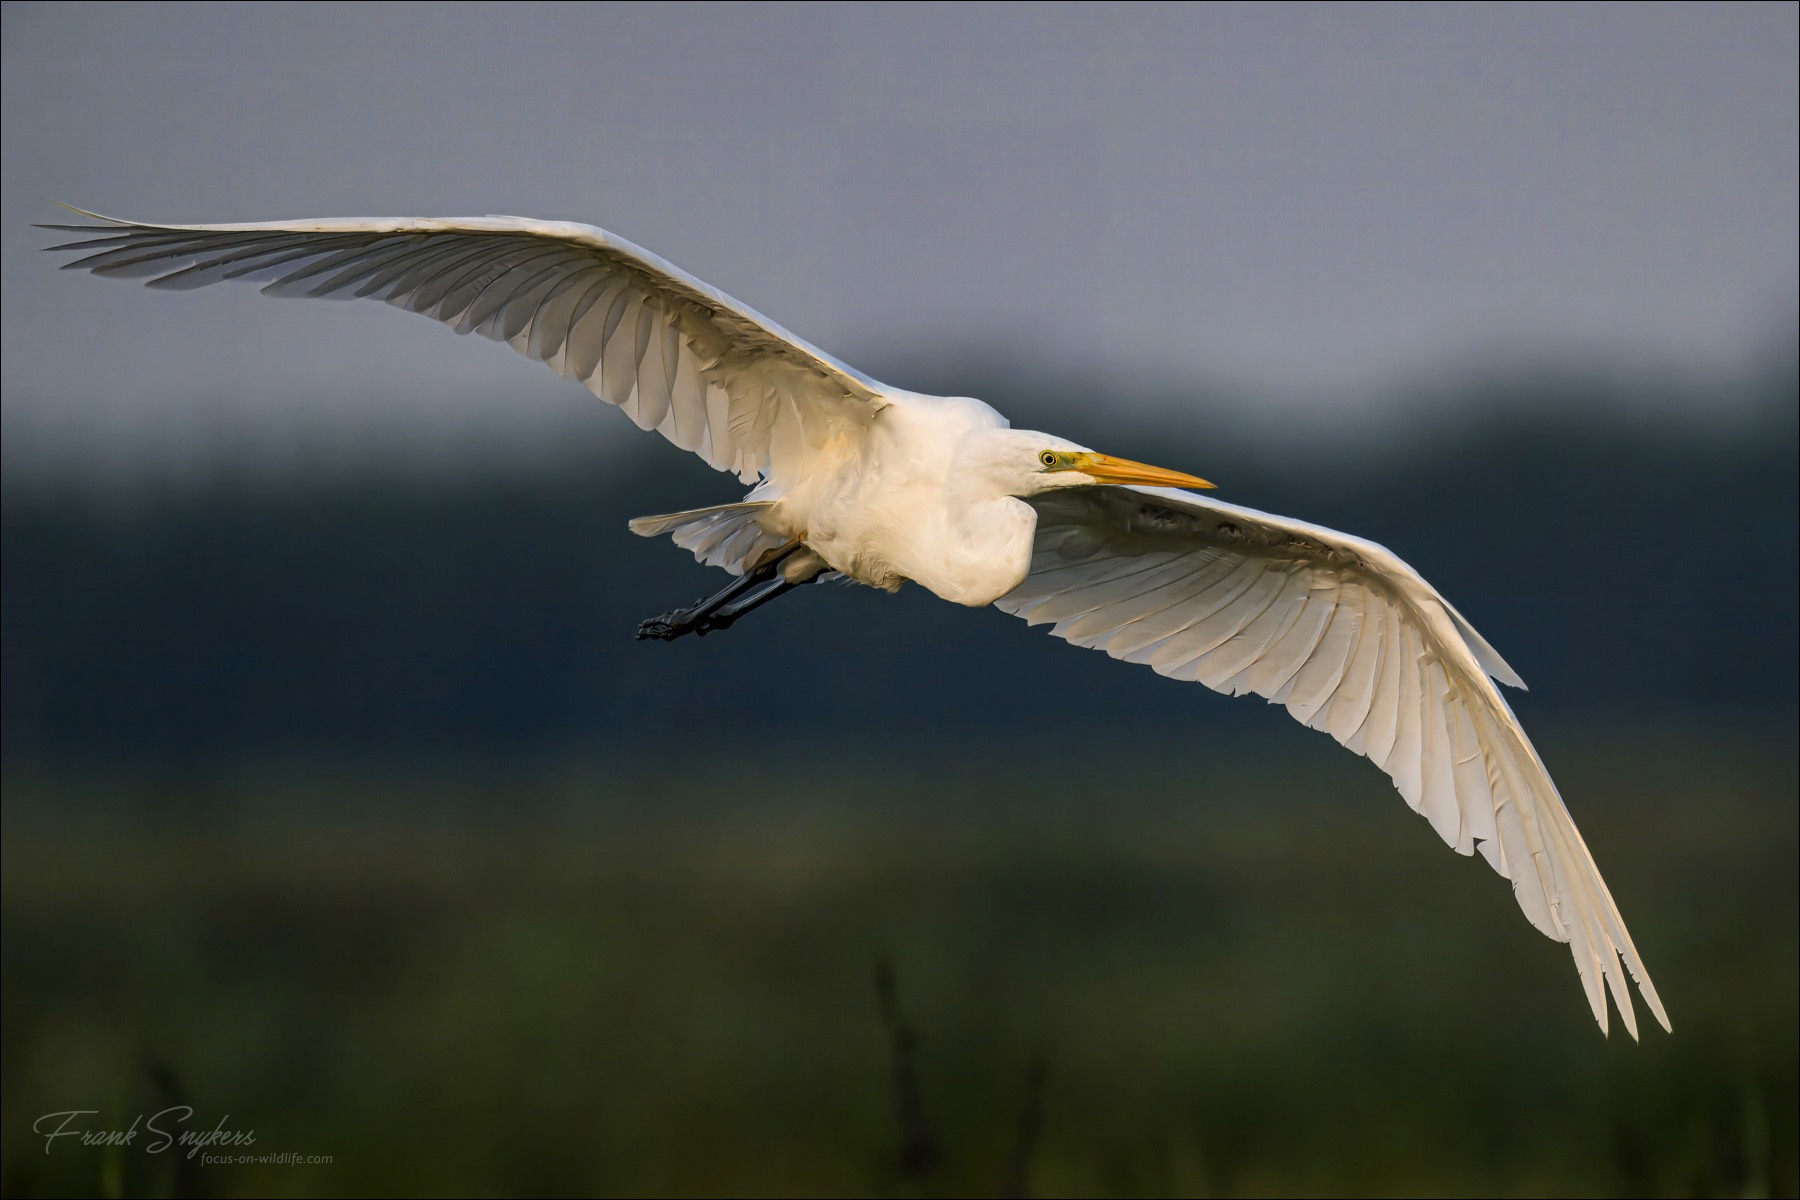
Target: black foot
x,y
657,628
665,628
671,625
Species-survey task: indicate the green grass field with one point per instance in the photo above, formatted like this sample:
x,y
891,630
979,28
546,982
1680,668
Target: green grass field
x,y
1261,977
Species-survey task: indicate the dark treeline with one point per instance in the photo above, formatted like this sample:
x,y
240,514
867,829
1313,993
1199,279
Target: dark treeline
x,y
1618,567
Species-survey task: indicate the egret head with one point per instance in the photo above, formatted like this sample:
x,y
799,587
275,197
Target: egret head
x,y
1029,463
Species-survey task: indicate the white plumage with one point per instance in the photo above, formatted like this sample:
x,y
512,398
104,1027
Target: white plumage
x,y
886,486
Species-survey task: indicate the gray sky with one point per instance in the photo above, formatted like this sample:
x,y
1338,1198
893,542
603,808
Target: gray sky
x,y
1316,203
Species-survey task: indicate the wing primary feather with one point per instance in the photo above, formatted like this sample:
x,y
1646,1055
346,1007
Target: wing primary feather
x,y
1138,641
1438,760
511,322
1376,737
473,302
618,368
381,284
1220,622
586,343
444,294
235,264
550,328
1281,659
653,398
1346,712
135,259
358,265
1312,686
1226,665
1076,598
1114,602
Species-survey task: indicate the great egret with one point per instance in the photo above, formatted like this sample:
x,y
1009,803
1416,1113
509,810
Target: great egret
x,y
858,479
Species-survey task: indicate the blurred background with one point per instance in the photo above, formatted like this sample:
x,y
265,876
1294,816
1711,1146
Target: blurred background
x,y
341,806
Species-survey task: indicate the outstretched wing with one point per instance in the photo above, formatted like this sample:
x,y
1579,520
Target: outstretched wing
x,y
1352,641
708,373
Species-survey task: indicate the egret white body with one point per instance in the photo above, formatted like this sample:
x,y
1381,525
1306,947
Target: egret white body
x,y
885,486
930,495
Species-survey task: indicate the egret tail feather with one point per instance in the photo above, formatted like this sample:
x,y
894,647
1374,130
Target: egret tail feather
x,y
723,535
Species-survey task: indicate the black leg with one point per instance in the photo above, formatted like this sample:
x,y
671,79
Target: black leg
x,y
723,616
723,607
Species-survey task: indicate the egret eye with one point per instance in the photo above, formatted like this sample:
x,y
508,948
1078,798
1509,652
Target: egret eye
x,y
1047,458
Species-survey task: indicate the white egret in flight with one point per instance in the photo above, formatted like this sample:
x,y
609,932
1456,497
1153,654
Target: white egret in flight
x,y
854,478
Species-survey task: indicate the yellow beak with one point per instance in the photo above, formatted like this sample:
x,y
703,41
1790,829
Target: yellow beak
x,y
1108,469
